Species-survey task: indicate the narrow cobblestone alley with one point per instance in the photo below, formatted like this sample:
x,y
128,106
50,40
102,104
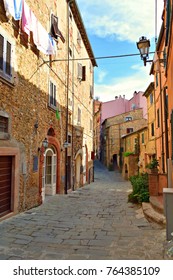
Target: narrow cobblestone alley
x,y
94,222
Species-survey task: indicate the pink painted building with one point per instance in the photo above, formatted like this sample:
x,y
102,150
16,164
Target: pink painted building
x,y
122,105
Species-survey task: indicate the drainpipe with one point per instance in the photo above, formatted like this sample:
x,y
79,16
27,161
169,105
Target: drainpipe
x,y
161,105
67,95
166,130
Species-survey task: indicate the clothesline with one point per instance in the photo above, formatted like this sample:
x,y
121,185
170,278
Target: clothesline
x,y
20,10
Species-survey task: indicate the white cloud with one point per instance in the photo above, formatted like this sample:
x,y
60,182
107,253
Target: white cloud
x,y
126,20
101,75
125,86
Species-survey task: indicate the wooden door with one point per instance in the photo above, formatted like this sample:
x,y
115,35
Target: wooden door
x,y
5,184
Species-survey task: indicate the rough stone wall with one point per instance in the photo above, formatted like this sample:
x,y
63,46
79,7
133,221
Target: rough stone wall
x,y
26,102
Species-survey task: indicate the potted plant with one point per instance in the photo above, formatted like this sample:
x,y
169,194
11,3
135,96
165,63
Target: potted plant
x,y
153,166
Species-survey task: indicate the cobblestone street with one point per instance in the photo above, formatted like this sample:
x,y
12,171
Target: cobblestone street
x,y
94,222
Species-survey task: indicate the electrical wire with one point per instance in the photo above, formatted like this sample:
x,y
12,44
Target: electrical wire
x,y
95,58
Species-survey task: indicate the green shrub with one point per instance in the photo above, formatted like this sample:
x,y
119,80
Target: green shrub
x,y
126,154
140,188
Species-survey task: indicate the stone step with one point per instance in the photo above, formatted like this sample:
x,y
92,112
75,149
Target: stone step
x,y
157,203
152,215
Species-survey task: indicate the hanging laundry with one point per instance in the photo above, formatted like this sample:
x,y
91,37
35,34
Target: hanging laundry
x,y
18,9
26,19
13,8
55,32
9,7
42,39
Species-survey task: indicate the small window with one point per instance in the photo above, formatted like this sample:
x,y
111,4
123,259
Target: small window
x,y
52,95
143,138
129,130
133,107
127,119
6,50
35,163
69,139
3,124
152,129
83,73
158,118
151,98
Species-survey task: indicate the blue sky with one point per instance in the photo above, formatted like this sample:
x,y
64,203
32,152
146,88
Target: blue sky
x,y
113,28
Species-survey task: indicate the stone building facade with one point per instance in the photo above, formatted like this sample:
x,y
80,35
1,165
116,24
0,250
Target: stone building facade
x,y
112,131
46,99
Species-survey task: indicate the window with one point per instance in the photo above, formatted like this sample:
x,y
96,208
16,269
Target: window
x,y
4,126
79,116
52,94
151,98
133,107
129,130
158,118
81,72
143,138
6,50
69,139
152,129
128,119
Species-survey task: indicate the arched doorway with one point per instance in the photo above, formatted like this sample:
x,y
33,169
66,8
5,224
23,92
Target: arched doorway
x,y
53,164
49,172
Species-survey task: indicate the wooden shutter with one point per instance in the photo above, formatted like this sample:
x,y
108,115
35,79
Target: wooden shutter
x,y
79,75
51,94
54,95
1,51
8,59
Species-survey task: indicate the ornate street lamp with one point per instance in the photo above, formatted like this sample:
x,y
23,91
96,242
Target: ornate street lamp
x,y
143,46
45,143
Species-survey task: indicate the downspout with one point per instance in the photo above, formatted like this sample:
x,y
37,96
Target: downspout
x,y
67,95
166,129
161,105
